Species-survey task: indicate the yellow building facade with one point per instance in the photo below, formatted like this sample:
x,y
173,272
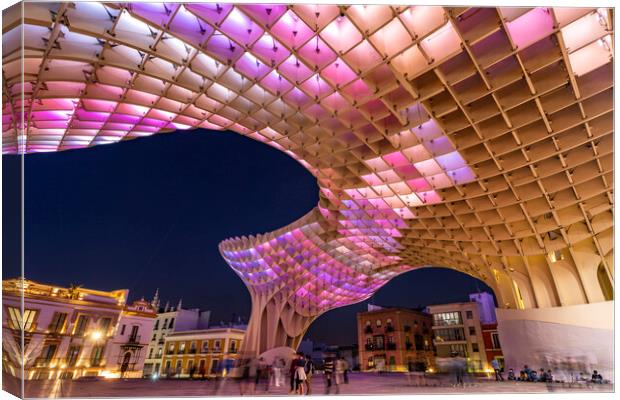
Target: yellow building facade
x,y
201,353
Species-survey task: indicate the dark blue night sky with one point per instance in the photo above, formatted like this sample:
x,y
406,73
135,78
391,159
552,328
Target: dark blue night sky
x,y
149,213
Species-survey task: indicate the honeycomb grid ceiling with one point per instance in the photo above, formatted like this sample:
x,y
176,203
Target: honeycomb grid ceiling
x,y
479,139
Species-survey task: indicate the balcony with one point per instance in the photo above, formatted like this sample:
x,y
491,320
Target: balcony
x,y
369,346
391,346
232,351
94,362
368,329
408,345
42,362
161,341
192,351
133,339
389,328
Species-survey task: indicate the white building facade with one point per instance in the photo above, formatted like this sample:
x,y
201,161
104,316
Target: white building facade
x,y
68,332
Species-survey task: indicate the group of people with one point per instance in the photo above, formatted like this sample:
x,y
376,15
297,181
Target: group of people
x,y
335,370
530,375
255,371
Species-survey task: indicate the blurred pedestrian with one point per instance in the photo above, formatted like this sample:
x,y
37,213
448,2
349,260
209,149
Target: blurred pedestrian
x,y
328,370
300,373
291,372
309,370
277,367
498,370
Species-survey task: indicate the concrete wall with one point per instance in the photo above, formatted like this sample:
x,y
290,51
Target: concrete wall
x,y
576,338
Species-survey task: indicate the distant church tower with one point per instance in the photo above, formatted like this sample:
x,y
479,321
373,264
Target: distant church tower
x,y
155,301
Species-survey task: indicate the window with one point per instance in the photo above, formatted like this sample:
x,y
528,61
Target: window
x,y
369,340
192,347
181,348
419,340
470,314
104,325
72,355
156,326
165,323
449,334
392,360
190,364
379,342
154,337
170,348
16,321
134,333
179,366
474,347
233,346
123,329
214,365
460,349
167,367
205,346
495,340
171,324
151,353
48,352
96,355
80,325
58,322
217,345
159,351
472,331
390,339
378,323
447,318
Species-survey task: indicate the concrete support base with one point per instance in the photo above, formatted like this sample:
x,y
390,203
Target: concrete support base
x,y
568,340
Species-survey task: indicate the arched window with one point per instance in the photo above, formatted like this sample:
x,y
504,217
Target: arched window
x,y
378,323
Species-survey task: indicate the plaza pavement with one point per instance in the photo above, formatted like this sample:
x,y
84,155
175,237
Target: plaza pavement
x,y
359,383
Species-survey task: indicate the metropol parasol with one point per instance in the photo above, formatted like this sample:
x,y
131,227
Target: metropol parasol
x,y
477,139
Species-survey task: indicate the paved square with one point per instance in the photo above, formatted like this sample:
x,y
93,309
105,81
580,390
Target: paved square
x,y
359,383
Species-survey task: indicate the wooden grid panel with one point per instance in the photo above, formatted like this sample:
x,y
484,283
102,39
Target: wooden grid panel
x,y
478,139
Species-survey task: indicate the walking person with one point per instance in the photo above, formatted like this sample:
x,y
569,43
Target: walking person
x,y
340,366
498,370
346,367
278,366
309,369
458,370
300,373
291,372
328,370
